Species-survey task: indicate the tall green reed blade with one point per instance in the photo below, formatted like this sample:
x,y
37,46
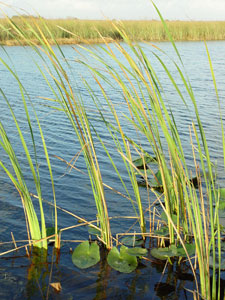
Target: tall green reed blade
x,y
34,167
203,252
186,198
18,180
74,110
122,146
139,111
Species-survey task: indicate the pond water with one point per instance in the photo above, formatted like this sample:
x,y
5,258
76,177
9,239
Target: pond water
x,y
73,190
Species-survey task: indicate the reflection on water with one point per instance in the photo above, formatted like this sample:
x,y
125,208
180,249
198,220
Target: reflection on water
x,y
24,278
29,278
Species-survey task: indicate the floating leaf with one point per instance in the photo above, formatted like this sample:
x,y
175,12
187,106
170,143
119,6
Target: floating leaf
x,y
86,255
122,261
173,250
132,240
94,231
143,161
163,231
179,250
162,253
137,251
173,217
153,181
50,231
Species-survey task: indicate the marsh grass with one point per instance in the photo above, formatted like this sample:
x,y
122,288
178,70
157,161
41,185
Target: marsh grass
x,y
196,211
35,230
180,196
89,31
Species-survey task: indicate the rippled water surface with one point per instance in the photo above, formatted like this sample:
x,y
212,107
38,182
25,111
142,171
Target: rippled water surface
x,y
73,189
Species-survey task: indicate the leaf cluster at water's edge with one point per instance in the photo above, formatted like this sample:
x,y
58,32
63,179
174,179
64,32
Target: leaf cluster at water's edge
x,y
172,251
87,255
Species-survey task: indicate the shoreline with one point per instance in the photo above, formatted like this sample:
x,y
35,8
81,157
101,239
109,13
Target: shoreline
x,y
65,41
75,31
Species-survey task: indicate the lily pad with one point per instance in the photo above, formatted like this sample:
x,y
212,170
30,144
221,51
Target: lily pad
x,y
162,253
50,231
143,161
131,240
173,217
86,255
179,250
173,250
153,181
122,261
93,231
163,231
137,251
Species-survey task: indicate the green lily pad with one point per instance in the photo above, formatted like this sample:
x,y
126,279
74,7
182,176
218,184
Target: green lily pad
x,y
179,250
173,217
163,231
50,231
86,255
173,250
94,231
137,251
132,240
122,261
143,161
152,182
162,253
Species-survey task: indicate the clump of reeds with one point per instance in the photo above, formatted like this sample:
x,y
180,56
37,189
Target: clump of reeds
x,y
87,31
149,115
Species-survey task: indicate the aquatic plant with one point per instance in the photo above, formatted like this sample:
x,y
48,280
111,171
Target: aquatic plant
x,y
143,95
72,105
184,208
87,31
37,234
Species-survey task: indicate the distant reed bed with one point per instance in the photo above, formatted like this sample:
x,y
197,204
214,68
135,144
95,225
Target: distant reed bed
x,y
79,31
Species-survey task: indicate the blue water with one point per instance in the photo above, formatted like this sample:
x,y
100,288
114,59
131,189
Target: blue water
x,y
73,190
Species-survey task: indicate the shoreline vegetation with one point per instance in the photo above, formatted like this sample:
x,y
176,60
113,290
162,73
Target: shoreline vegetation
x,y
75,31
182,204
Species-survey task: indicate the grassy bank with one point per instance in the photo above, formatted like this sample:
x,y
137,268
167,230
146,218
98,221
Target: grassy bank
x,y
78,31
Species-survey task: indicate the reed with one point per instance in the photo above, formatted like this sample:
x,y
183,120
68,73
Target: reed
x,y
72,105
147,111
89,31
149,115
35,230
